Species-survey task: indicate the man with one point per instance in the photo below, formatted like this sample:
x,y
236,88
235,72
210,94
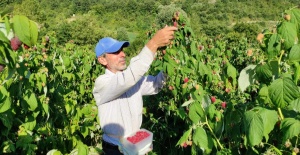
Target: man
x,y
118,93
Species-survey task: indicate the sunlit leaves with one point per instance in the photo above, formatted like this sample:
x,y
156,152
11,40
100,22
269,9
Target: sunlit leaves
x,y
295,105
288,31
263,73
25,29
254,128
269,118
5,101
196,112
295,16
294,54
290,128
246,77
274,46
31,100
202,139
185,137
282,91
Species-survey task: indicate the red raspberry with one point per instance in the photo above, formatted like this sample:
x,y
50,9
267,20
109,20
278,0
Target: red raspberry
x,y
213,99
223,104
15,43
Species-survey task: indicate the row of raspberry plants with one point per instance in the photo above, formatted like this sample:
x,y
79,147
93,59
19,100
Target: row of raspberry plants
x,y
46,92
241,99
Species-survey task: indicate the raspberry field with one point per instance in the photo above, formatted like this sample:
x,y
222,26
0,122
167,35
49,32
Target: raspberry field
x,y
224,95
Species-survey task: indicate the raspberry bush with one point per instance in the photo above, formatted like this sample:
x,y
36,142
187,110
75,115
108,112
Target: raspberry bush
x,y
229,99
221,96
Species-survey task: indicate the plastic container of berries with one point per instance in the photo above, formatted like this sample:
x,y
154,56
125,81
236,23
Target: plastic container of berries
x,y
138,143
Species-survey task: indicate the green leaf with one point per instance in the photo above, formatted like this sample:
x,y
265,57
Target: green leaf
x,y
3,37
30,123
25,29
294,54
5,101
273,65
201,139
282,91
184,137
295,105
54,152
206,101
195,112
186,103
274,46
8,147
23,141
231,71
288,31
263,73
254,128
170,69
7,25
31,101
263,95
246,77
67,62
82,89
269,118
188,70
297,72
7,120
211,109
295,16
203,69
86,109
59,69
84,131
43,78
69,76
290,128
82,149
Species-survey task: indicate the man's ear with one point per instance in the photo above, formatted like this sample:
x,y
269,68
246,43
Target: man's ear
x,y
102,61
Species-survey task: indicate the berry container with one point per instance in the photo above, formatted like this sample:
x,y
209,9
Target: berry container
x,y
138,143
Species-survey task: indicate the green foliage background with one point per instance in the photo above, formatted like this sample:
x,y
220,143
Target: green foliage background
x,y
85,21
225,28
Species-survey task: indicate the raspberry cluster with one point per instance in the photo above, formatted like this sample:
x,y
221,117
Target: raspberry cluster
x,y
139,136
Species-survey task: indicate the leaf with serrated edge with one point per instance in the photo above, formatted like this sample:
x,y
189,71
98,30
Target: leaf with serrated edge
x,y
254,128
282,91
295,105
290,128
187,103
288,31
269,118
294,54
195,112
184,137
201,139
5,99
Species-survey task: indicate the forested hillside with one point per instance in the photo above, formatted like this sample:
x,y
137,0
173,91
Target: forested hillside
x,y
85,21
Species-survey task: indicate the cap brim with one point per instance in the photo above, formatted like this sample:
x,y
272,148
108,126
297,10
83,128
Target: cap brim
x,y
117,46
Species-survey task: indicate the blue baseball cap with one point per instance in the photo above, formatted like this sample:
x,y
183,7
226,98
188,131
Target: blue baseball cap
x,y
109,45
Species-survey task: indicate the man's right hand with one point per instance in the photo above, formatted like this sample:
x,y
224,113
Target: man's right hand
x,y
163,37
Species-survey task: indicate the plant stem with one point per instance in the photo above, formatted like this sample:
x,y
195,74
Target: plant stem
x,y
275,149
279,60
220,145
280,114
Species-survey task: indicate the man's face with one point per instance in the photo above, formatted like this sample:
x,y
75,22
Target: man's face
x,y
114,61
